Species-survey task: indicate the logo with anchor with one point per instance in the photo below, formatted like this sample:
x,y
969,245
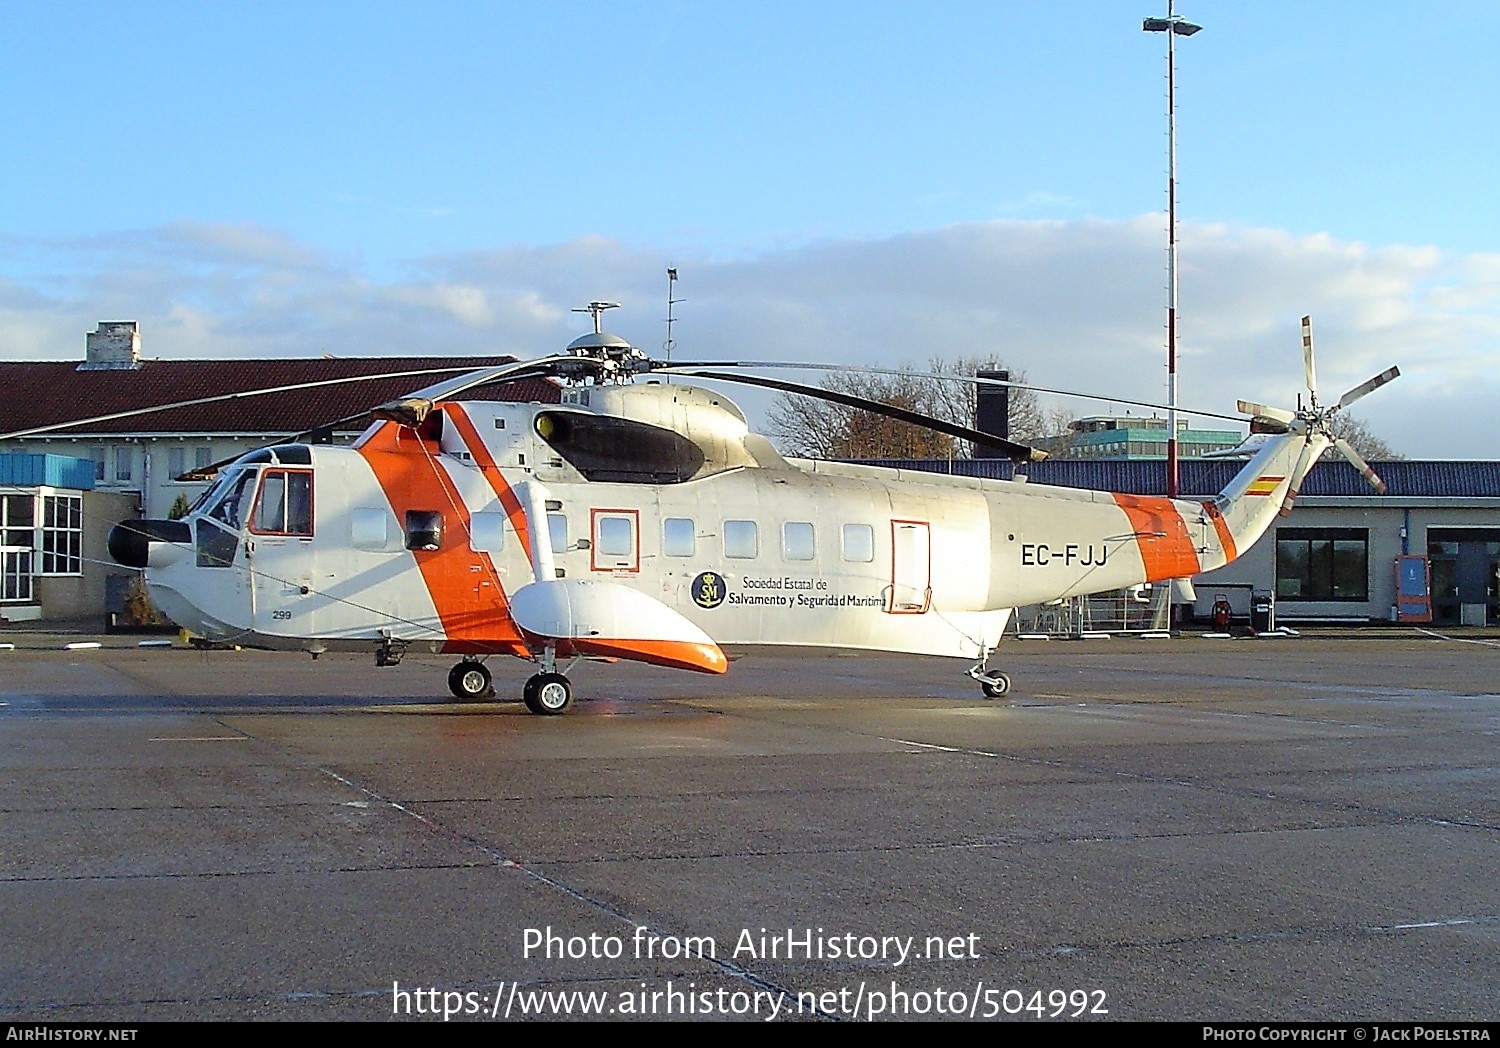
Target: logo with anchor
x,y
709,590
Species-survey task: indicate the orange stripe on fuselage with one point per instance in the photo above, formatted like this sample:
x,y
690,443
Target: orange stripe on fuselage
x,y
464,586
1166,549
1226,537
486,463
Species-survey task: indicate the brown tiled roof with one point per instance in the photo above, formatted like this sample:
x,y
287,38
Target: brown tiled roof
x,y
40,393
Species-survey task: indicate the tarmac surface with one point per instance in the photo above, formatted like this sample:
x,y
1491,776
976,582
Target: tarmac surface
x,y
1144,829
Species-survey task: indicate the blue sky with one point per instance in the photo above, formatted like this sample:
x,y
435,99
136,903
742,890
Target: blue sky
x,y
876,182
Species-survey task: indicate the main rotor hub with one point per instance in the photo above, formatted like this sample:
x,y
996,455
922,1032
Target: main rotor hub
x,y
601,356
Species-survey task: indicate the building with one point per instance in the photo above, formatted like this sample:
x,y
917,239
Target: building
x,y
1124,438
93,411
53,526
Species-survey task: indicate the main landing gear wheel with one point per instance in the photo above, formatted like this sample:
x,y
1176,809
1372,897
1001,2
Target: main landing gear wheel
x,y
548,694
998,689
470,681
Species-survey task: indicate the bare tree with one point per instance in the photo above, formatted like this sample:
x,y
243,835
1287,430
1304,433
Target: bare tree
x,y
809,428
1357,432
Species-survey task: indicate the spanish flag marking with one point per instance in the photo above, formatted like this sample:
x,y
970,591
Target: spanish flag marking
x,y
1263,485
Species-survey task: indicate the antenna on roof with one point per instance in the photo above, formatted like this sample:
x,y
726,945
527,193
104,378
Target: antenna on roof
x,y
671,287
669,344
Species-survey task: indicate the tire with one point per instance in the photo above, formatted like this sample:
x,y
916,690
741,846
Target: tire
x,y
999,689
470,681
548,694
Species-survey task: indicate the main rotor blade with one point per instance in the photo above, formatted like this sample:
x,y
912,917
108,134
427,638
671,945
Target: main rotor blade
x,y
515,371
1014,451
1309,368
1366,388
693,367
246,393
1371,477
512,372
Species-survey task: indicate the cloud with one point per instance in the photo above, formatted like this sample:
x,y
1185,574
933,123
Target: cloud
x,y
1078,304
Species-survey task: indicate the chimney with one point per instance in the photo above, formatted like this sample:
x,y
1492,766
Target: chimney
x,y
116,346
992,413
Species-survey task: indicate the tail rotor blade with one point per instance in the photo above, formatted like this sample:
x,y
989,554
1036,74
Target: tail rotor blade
x,y
1347,450
1366,388
1309,369
1298,476
1249,407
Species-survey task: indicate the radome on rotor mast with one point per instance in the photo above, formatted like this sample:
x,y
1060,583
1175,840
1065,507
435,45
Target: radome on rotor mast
x,y
645,521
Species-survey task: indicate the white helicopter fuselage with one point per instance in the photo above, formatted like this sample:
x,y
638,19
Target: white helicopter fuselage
x,y
644,521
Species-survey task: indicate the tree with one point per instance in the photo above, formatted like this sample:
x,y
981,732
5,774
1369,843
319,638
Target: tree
x,y
808,428
1370,447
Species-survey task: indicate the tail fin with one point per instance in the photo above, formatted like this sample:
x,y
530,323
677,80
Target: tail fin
x,y
1249,504
1269,483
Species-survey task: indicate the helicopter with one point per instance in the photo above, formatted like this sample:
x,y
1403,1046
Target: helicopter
x,y
644,520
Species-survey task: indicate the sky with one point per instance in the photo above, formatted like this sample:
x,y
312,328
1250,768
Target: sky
x,y
874,183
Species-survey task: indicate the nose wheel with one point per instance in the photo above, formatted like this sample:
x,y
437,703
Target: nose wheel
x,y
470,681
997,686
548,694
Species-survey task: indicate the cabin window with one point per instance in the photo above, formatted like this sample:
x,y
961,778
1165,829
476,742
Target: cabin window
x,y
368,528
557,530
424,529
679,537
487,532
797,540
614,542
859,543
1330,564
216,548
232,503
741,539
616,537
284,506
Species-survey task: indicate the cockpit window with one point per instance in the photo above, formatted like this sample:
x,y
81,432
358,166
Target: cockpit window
x,y
231,505
284,506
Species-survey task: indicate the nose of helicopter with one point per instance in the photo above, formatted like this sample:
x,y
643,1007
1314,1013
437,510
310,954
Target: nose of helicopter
x,y
131,541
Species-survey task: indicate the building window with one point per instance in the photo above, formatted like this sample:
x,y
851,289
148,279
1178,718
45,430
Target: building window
x,y
1328,564
202,456
62,535
17,538
124,463
176,461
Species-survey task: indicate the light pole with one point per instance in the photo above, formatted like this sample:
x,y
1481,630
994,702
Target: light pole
x,y
1174,25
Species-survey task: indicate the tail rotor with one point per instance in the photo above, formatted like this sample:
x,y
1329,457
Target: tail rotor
x,y
1316,420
